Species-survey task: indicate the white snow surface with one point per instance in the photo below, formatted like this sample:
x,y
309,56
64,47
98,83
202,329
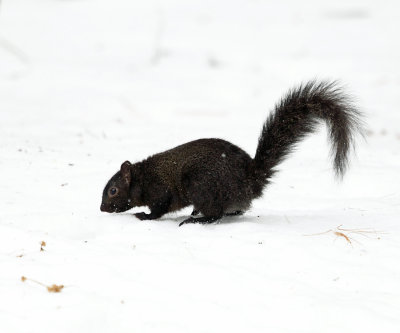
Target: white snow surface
x,y
86,85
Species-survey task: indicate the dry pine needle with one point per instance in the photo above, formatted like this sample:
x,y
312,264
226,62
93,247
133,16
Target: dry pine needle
x,y
345,233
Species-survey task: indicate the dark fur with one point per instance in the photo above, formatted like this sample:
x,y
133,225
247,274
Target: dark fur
x,y
217,177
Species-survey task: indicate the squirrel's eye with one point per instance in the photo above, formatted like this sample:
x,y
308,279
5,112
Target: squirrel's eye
x,y
112,191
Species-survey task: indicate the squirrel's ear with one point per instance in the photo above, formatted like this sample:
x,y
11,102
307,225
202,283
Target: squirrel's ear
x,y
126,171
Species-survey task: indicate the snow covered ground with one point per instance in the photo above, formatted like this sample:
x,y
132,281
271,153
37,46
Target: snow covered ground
x,y
85,85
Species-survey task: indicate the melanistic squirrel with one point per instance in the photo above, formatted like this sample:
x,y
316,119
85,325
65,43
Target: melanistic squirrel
x,y
217,177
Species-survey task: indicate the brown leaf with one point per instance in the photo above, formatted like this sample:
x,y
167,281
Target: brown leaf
x,y
55,288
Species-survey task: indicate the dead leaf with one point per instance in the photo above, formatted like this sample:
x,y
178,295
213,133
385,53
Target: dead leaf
x,y
55,288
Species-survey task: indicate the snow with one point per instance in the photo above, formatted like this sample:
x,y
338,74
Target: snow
x,y
86,85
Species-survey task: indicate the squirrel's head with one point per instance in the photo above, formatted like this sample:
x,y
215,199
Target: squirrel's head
x,y
117,193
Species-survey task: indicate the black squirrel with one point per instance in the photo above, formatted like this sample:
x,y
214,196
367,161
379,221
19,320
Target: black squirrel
x,y
217,177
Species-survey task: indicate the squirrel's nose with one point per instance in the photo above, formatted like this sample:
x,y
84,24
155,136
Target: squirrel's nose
x,y
103,207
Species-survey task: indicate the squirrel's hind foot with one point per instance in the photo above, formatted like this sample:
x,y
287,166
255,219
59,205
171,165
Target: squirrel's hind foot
x,y
235,213
202,220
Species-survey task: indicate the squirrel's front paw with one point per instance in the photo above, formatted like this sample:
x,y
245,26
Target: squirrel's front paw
x,y
142,216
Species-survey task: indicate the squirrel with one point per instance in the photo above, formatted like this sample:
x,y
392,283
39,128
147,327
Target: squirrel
x,y
217,177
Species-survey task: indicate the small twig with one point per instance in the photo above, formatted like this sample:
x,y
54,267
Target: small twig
x,y
15,51
51,289
286,218
19,55
158,51
320,233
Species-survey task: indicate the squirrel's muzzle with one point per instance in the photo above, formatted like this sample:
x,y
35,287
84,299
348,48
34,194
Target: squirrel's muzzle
x,y
104,208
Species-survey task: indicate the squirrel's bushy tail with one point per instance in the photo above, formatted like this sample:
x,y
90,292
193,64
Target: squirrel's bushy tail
x,y
298,114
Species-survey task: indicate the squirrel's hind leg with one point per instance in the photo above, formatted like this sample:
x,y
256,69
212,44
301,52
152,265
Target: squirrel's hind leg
x,y
195,212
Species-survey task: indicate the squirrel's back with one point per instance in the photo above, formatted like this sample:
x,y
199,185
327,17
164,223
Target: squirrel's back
x,y
215,163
